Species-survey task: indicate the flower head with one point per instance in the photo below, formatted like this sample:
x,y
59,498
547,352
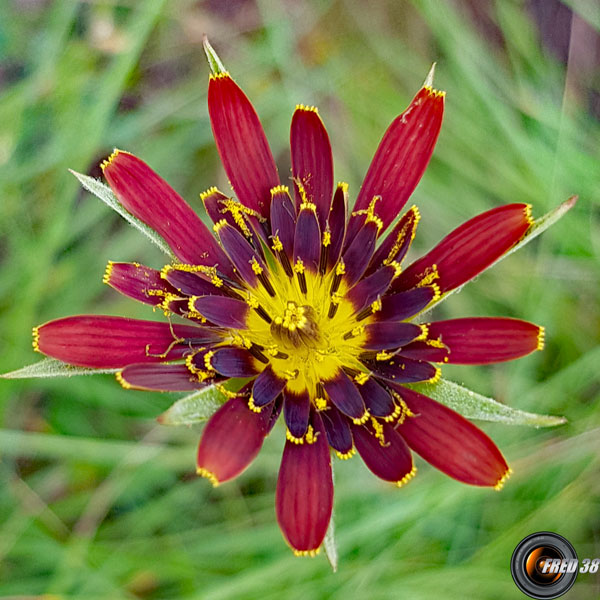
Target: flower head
x,y
310,305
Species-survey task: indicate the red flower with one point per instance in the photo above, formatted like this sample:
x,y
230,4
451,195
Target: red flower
x,y
310,305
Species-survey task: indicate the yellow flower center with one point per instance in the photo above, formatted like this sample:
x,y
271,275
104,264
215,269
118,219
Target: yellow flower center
x,y
304,325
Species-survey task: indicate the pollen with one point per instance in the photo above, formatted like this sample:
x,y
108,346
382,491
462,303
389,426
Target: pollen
x,y
36,339
311,553
108,272
500,483
106,162
208,475
541,338
122,381
209,192
407,477
253,406
346,455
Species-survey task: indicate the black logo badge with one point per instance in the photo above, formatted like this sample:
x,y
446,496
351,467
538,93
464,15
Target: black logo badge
x,y
544,565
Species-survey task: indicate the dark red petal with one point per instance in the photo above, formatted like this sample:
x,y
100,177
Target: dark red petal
x,y
186,281
152,200
403,305
371,288
230,441
296,410
401,158
138,282
312,161
220,207
396,244
233,362
377,399
241,143
344,395
386,335
244,257
283,220
225,312
429,350
103,342
469,249
212,200
402,370
384,451
275,411
338,431
307,239
159,377
451,443
337,223
304,499
485,340
358,255
267,387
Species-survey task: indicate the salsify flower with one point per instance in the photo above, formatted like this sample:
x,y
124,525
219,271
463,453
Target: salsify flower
x,y
310,305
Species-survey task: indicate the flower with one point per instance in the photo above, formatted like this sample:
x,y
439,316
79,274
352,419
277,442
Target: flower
x,y
310,307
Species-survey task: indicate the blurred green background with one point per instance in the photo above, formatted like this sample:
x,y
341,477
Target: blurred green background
x,y
96,499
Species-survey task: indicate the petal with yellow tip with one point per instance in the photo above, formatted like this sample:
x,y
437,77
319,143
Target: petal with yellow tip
x,y
159,377
230,441
242,144
152,200
401,158
344,395
105,342
304,497
450,443
384,451
312,161
470,248
485,340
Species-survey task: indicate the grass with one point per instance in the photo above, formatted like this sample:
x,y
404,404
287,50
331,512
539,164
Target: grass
x,y
97,500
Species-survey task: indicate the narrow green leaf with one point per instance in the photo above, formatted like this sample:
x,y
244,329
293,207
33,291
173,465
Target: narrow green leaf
x,y
475,406
216,66
198,406
330,546
50,367
106,195
539,226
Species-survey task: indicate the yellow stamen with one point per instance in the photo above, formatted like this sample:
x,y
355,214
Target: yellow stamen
x,y
429,276
320,403
361,378
221,75
277,245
